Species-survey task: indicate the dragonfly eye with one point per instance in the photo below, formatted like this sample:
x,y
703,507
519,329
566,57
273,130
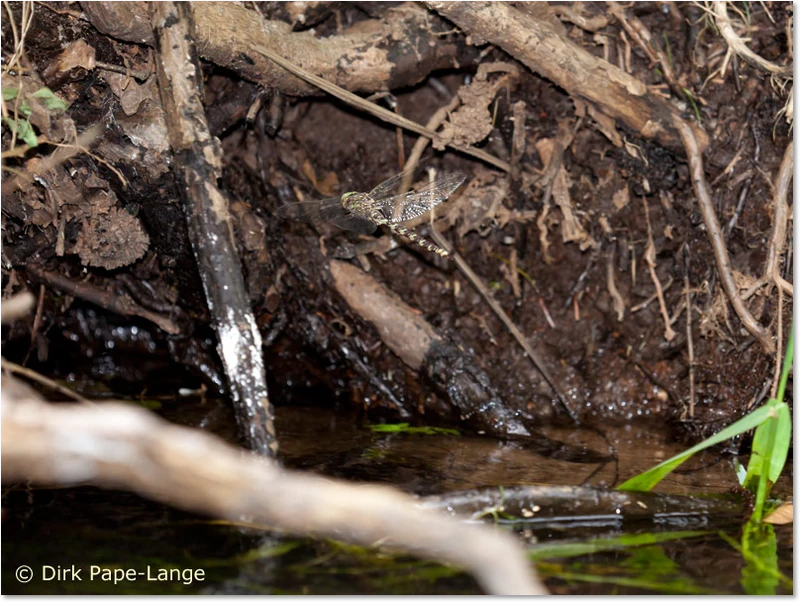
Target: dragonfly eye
x,y
347,195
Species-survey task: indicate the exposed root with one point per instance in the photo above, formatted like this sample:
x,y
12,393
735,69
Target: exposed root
x,y
377,111
650,258
737,45
611,285
118,303
640,34
689,341
19,34
716,237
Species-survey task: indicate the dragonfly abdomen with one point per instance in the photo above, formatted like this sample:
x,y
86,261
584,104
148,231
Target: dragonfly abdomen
x,y
410,235
418,240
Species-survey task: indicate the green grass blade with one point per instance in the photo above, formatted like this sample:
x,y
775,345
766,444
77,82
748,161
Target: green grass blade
x,y
647,480
787,363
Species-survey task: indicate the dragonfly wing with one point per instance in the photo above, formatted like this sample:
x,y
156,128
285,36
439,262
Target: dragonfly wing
x,y
305,211
326,211
388,187
404,207
391,187
351,222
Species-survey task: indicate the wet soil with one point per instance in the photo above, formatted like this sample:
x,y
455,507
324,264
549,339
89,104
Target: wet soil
x,y
612,370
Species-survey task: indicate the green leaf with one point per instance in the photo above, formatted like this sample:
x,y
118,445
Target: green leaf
x,y
10,93
787,363
404,427
771,440
23,129
647,480
783,439
741,471
51,101
759,549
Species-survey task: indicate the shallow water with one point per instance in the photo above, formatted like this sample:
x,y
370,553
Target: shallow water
x,y
87,527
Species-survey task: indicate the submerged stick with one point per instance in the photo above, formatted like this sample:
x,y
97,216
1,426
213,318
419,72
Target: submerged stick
x,y
454,374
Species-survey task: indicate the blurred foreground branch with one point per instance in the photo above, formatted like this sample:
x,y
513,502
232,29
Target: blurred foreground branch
x,y
124,447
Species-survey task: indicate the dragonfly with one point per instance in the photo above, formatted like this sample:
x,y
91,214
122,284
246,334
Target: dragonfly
x,y
364,212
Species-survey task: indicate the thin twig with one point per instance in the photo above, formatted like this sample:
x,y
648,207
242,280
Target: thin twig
x,y
42,380
512,328
716,237
689,340
650,259
423,141
651,298
54,159
374,109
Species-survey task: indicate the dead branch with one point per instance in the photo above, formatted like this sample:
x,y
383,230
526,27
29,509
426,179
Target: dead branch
x,y
562,504
397,51
118,303
17,306
197,168
538,46
125,447
374,109
716,237
456,378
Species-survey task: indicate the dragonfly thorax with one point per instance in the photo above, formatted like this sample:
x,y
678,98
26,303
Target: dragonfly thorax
x,y
356,202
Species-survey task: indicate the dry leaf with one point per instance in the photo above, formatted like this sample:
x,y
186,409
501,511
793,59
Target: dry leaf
x,y
782,515
621,198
